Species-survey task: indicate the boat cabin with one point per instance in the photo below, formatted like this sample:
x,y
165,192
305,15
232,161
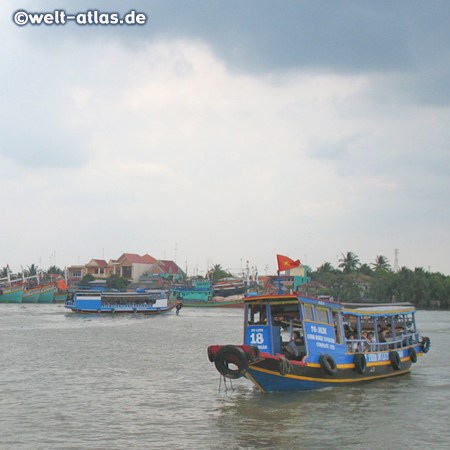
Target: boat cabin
x,y
302,328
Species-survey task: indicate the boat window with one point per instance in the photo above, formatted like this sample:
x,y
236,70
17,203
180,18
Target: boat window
x,y
309,312
323,315
337,327
257,314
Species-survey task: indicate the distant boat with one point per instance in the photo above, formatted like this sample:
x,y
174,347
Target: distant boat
x,y
60,294
98,302
11,294
229,287
47,291
31,295
201,294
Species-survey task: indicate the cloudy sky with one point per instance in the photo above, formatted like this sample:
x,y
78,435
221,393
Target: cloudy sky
x,y
222,132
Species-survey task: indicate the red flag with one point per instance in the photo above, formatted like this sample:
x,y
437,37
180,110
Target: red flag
x,y
285,263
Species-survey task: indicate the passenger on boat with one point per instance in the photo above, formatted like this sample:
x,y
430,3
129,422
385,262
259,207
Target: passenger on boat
x,y
365,342
352,345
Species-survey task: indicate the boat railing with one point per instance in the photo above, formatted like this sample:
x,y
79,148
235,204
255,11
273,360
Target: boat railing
x,y
401,341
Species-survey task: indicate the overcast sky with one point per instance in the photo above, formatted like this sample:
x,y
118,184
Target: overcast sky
x,y
222,132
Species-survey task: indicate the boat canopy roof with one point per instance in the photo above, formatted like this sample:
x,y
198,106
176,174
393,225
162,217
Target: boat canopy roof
x,y
362,309
379,310
290,299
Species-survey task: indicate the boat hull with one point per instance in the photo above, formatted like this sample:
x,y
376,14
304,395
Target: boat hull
x,y
120,310
32,295
278,374
214,303
46,295
11,294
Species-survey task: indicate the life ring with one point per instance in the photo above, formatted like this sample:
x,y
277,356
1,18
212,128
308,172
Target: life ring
x,y
395,360
425,344
360,363
113,310
253,353
231,355
134,310
284,367
413,355
328,364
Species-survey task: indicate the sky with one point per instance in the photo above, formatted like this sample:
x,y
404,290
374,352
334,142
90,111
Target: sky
x,y
227,132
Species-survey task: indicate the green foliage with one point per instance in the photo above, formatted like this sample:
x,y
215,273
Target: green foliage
x,y
217,273
86,279
356,283
116,282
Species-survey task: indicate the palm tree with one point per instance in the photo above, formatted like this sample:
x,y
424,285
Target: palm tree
x,y
381,263
31,270
349,262
326,267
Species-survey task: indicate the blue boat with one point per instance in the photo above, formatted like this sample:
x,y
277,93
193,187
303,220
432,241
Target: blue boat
x,y
104,302
295,343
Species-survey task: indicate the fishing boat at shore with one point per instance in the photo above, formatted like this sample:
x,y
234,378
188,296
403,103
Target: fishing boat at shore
x,y
11,294
104,302
47,292
201,294
31,295
295,343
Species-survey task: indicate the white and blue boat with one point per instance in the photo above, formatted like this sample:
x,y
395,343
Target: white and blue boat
x,y
295,343
104,302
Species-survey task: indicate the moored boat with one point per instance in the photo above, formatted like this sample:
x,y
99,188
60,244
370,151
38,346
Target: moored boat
x,y
31,295
294,343
47,291
201,294
11,294
100,302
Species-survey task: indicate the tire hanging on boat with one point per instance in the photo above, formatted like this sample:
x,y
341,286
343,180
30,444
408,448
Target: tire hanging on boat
x,y
253,353
328,364
413,355
395,360
231,355
425,344
285,367
360,363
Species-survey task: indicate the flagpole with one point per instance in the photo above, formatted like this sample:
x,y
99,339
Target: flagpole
x,y
280,290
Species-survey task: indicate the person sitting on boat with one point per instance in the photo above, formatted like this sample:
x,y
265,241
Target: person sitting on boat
x,y
371,338
365,342
296,340
381,337
353,346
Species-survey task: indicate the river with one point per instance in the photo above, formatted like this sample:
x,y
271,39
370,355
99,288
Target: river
x,y
133,382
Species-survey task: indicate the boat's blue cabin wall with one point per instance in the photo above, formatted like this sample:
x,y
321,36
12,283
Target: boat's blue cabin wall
x,y
270,326
259,329
323,331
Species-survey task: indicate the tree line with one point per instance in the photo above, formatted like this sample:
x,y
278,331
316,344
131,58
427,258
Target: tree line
x,y
352,281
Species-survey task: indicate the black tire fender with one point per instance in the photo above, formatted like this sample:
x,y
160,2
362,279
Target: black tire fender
x,y
253,353
231,355
425,344
284,367
395,360
211,355
360,363
413,355
328,364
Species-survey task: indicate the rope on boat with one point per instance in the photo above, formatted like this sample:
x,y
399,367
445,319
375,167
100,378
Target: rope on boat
x,y
225,383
